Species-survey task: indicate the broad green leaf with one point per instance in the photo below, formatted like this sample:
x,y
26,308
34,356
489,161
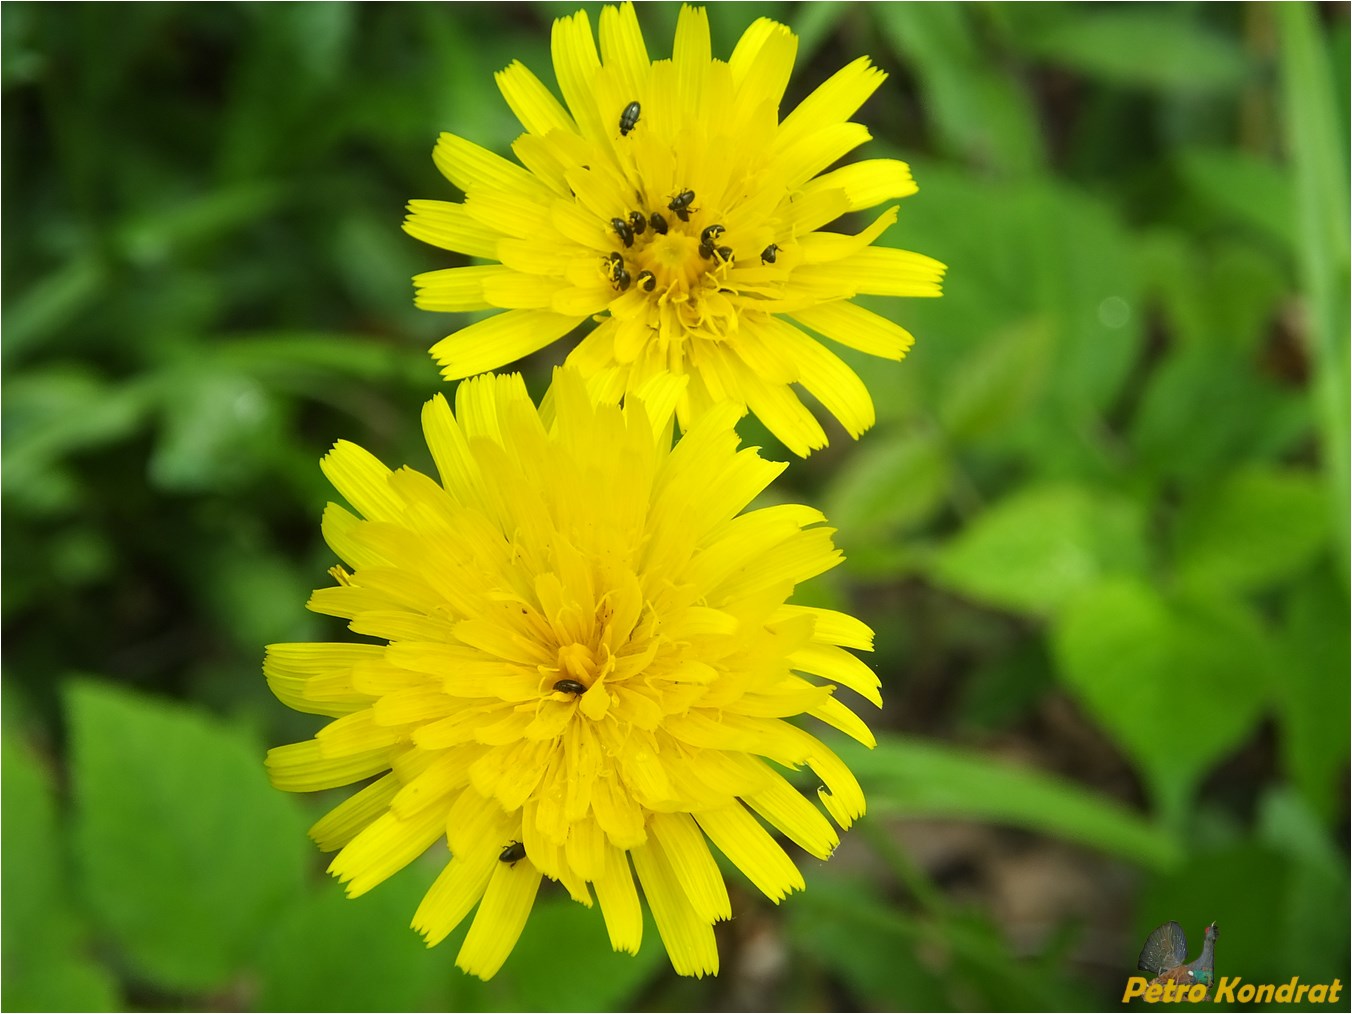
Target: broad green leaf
x,y
45,967
563,962
1205,411
1001,381
186,851
906,777
1177,684
1252,530
1312,691
1036,262
1146,46
979,111
1247,188
325,951
1034,551
1221,296
887,487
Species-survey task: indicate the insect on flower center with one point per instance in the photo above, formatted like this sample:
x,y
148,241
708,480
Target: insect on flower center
x,y
668,255
580,663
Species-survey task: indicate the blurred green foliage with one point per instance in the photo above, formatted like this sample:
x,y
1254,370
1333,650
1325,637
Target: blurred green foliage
x,y
1101,526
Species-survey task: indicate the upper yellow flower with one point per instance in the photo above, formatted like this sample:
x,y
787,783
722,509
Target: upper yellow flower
x,y
668,199
586,658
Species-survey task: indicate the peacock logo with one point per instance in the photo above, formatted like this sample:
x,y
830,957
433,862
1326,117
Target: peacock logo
x,y
1175,979
1165,956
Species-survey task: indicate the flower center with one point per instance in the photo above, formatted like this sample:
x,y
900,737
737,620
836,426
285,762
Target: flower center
x,y
579,662
675,262
678,267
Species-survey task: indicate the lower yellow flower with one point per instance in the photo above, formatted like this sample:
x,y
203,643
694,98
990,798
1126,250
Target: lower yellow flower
x,y
586,659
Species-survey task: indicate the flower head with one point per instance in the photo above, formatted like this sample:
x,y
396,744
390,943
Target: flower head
x,y
668,199
585,658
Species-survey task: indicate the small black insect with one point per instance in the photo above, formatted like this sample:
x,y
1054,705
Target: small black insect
x,y
513,853
726,253
647,281
768,254
706,250
573,686
621,279
629,118
658,223
711,234
637,222
613,264
623,231
681,204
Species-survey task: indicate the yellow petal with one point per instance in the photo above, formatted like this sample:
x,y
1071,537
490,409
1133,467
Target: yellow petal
x,y
693,866
832,102
531,102
619,902
502,915
448,226
385,847
343,823
689,939
499,341
857,328
750,848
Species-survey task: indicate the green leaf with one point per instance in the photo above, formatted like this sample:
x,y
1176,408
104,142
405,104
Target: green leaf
x,y
1205,411
906,777
186,850
309,362
330,952
170,230
564,962
218,428
898,960
38,313
981,114
1177,684
1318,145
1254,529
889,486
1315,936
1026,275
52,414
1034,551
1246,188
1314,699
841,926
1001,379
44,968
1147,47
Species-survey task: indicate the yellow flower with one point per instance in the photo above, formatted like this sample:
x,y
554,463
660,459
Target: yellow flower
x,y
668,200
586,658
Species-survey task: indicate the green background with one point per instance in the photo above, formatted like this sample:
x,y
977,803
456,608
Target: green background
x,y
1100,527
